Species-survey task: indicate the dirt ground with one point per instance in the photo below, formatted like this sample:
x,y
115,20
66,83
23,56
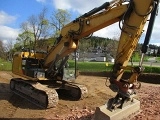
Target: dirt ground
x,y
15,107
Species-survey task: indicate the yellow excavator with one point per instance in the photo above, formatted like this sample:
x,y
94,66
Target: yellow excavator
x,y
43,74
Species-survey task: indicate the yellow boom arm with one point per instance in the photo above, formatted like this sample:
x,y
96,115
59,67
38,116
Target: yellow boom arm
x,y
81,27
132,14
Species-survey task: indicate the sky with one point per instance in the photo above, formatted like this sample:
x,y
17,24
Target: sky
x,y
14,12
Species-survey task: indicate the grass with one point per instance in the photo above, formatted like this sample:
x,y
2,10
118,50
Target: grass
x,y
137,58
91,66
5,65
101,67
158,58
83,66
149,69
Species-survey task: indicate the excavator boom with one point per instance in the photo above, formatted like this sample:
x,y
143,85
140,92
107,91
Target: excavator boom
x,y
82,27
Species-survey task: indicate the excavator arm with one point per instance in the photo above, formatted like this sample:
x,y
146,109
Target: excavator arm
x,y
132,15
133,23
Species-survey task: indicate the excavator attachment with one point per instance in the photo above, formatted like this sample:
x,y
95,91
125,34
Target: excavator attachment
x,y
129,108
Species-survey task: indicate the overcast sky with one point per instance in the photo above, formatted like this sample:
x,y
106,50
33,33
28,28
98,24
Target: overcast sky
x,y
14,12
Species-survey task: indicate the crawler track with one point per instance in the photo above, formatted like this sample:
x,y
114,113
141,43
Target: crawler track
x,y
44,93
76,91
34,92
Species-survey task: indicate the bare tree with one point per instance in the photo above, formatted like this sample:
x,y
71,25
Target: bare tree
x,y
39,26
9,50
5,50
24,26
24,39
58,19
1,50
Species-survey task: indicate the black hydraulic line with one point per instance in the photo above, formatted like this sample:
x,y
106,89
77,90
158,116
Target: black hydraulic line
x,y
150,27
75,64
95,10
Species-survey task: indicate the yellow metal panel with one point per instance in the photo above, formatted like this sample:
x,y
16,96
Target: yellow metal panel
x,y
129,39
17,63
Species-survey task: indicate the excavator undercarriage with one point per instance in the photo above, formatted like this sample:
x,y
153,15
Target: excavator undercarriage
x,y
45,94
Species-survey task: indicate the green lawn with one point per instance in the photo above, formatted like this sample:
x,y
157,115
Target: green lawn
x,y
101,67
158,58
91,66
83,66
5,65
